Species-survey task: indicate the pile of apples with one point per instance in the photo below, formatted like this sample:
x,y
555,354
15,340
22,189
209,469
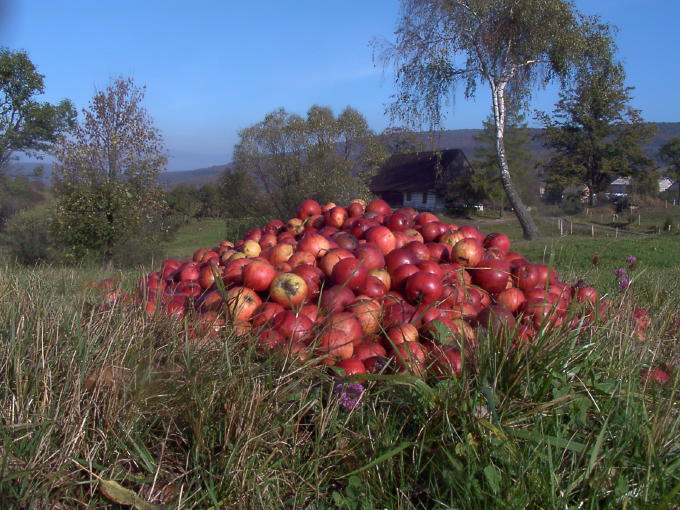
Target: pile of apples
x,y
362,286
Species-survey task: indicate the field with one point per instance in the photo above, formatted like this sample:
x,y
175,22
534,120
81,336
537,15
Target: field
x,y
92,395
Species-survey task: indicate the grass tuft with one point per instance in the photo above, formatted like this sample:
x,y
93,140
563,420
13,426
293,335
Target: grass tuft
x,y
567,422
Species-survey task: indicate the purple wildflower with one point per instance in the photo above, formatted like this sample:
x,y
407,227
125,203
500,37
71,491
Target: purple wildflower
x,y
631,259
620,272
349,394
624,283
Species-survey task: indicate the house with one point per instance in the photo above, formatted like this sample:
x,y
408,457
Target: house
x,y
622,187
418,179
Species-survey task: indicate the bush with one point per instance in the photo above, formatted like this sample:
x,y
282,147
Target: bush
x,y
97,222
26,237
572,204
137,251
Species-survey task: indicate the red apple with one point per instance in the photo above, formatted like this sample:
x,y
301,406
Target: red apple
x,y
422,287
382,237
308,208
498,241
492,275
349,272
294,327
242,303
336,298
258,275
469,252
335,346
289,290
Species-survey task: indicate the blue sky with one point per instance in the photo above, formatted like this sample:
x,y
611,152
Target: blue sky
x,y
214,67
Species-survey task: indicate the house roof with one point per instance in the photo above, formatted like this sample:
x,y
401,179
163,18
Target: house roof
x,y
418,171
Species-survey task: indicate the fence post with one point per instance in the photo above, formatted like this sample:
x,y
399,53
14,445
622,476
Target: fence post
x,y
617,232
571,228
592,230
559,222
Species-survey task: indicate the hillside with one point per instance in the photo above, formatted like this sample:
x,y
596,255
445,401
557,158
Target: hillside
x,y
196,177
463,139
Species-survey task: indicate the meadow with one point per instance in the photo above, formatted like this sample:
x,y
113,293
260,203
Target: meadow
x,y
91,395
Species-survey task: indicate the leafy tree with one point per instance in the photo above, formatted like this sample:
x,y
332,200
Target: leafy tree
x,y
184,204
241,196
26,235
105,178
17,194
322,156
670,154
27,125
595,135
509,45
401,140
211,201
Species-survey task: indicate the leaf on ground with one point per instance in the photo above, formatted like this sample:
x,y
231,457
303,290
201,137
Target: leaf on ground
x,y
108,376
116,493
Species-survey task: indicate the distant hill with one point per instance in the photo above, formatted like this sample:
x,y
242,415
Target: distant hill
x,y
34,170
192,177
463,139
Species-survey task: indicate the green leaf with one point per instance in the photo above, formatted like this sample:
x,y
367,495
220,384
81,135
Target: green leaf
x,y
493,478
116,493
596,449
380,459
560,442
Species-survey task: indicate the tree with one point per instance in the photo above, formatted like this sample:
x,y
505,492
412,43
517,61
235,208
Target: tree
x,y
401,140
670,154
241,195
594,133
289,158
212,205
27,125
486,180
184,204
105,177
18,193
509,45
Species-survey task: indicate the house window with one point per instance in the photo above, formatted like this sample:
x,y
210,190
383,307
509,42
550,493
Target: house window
x,y
424,198
408,196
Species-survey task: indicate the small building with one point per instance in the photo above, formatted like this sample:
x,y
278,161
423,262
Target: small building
x,y
418,179
622,186
665,184
619,187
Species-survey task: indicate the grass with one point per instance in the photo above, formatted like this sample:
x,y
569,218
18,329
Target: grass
x,y
206,233
90,391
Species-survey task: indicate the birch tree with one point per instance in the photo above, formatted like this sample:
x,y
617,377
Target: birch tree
x,y
510,46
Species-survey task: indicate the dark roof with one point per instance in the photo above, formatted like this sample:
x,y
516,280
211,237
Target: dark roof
x,y
418,171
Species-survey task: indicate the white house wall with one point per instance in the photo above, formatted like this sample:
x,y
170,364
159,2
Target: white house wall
x,y
415,199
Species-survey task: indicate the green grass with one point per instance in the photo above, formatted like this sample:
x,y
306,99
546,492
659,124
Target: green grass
x,y
206,233
567,423
646,220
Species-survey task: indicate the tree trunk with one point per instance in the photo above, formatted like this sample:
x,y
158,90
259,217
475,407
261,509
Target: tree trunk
x,y
525,220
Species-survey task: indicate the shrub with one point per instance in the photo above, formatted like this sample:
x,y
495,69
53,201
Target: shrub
x,y
26,236
572,204
96,222
137,251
